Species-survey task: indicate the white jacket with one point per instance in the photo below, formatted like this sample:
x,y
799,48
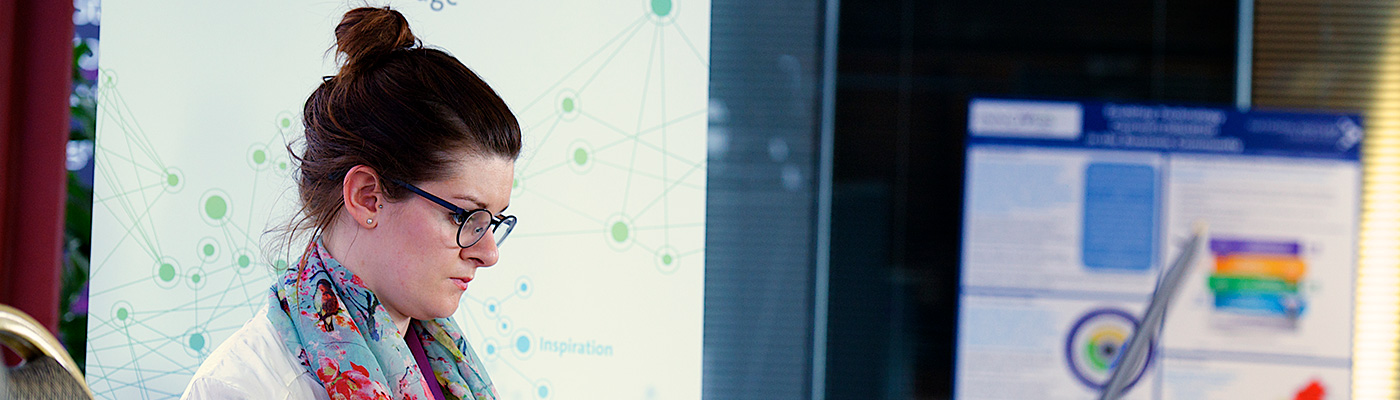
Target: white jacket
x,y
253,364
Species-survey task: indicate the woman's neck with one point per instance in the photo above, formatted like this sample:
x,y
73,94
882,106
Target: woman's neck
x,y
339,244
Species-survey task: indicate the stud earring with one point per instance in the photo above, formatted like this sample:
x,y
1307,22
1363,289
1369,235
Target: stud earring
x,y
369,221
381,206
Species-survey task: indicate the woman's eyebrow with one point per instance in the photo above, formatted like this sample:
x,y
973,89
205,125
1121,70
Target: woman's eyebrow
x,y
471,199
477,203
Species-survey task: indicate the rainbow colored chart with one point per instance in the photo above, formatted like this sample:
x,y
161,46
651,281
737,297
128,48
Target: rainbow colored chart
x,y
1258,279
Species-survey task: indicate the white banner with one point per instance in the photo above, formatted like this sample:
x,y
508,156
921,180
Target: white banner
x,y
599,292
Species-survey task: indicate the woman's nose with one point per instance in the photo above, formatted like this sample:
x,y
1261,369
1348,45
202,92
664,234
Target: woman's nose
x,y
484,252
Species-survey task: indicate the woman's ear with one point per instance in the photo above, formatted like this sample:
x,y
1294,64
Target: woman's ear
x,y
363,195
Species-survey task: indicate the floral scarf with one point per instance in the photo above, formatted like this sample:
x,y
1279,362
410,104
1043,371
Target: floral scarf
x,y
344,336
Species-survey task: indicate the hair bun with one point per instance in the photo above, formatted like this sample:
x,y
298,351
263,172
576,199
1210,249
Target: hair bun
x,y
367,33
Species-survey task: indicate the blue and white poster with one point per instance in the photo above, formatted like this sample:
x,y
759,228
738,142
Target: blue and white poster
x,y
1073,207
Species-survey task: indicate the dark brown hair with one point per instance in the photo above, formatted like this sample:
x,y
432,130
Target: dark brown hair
x,y
405,110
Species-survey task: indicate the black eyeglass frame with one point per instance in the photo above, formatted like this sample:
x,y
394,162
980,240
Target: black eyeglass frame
x,y
465,215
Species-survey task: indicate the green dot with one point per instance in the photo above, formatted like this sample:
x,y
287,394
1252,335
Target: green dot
x,y
243,261
666,259
195,278
197,341
259,156
281,264
167,272
121,314
172,179
661,7
568,104
208,249
216,207
515,183
580,156
619,231
286,122
282,165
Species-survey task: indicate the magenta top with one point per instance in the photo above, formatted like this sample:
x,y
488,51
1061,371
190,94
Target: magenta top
x,y
416,346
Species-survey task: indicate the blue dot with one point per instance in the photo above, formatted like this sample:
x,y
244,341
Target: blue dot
x,y
522,344
523,287
491,308
544,391
490,349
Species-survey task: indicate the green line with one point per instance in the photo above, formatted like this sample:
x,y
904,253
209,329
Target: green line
x,y
546,169
224,293
646,81
702,59
105,291
609,60
672,226
550,234
130,127
663,125
666,200
532,127
253,194
151,251
567,207
522,373
648,175
186,307
127,209
631,167
531,161
665,192
607,125
109,152
147,341
585,61
104,199
654,147
641,112
152,237
145,142
649,249
475,324
96,356
134,360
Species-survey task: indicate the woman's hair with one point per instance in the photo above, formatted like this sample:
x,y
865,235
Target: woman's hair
x,y
402,109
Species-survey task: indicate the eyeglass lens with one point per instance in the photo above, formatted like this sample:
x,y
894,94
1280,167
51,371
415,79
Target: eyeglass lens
x,y
476,224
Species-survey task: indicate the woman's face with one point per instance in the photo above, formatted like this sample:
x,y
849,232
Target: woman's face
x,y
415,265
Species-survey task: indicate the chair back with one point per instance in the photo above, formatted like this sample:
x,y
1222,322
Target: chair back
x,y
45,370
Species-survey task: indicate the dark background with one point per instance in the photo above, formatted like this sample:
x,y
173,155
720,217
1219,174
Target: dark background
x,y
905,72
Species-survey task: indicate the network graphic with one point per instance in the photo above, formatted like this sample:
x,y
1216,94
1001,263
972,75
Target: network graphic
x,y
610,189
169,296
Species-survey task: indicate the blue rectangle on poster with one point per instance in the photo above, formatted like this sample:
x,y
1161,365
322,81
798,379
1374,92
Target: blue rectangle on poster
x,y
1119,210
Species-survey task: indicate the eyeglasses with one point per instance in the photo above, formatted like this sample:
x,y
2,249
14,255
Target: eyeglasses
x,y
471,224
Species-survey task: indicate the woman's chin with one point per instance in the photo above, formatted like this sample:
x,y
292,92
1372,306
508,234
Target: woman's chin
x,y
446,309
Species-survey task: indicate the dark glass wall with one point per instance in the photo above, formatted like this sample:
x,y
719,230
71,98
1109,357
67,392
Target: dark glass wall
x,y
906,70
762,199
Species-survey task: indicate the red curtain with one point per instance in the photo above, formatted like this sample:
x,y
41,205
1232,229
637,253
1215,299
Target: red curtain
x,y
36,55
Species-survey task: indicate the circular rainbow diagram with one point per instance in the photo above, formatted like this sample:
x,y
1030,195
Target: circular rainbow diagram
x,y
1094,343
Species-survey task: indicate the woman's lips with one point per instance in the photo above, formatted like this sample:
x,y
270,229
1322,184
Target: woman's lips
x,y
461,282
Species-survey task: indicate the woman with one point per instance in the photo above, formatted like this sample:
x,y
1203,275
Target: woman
x,y
407,169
